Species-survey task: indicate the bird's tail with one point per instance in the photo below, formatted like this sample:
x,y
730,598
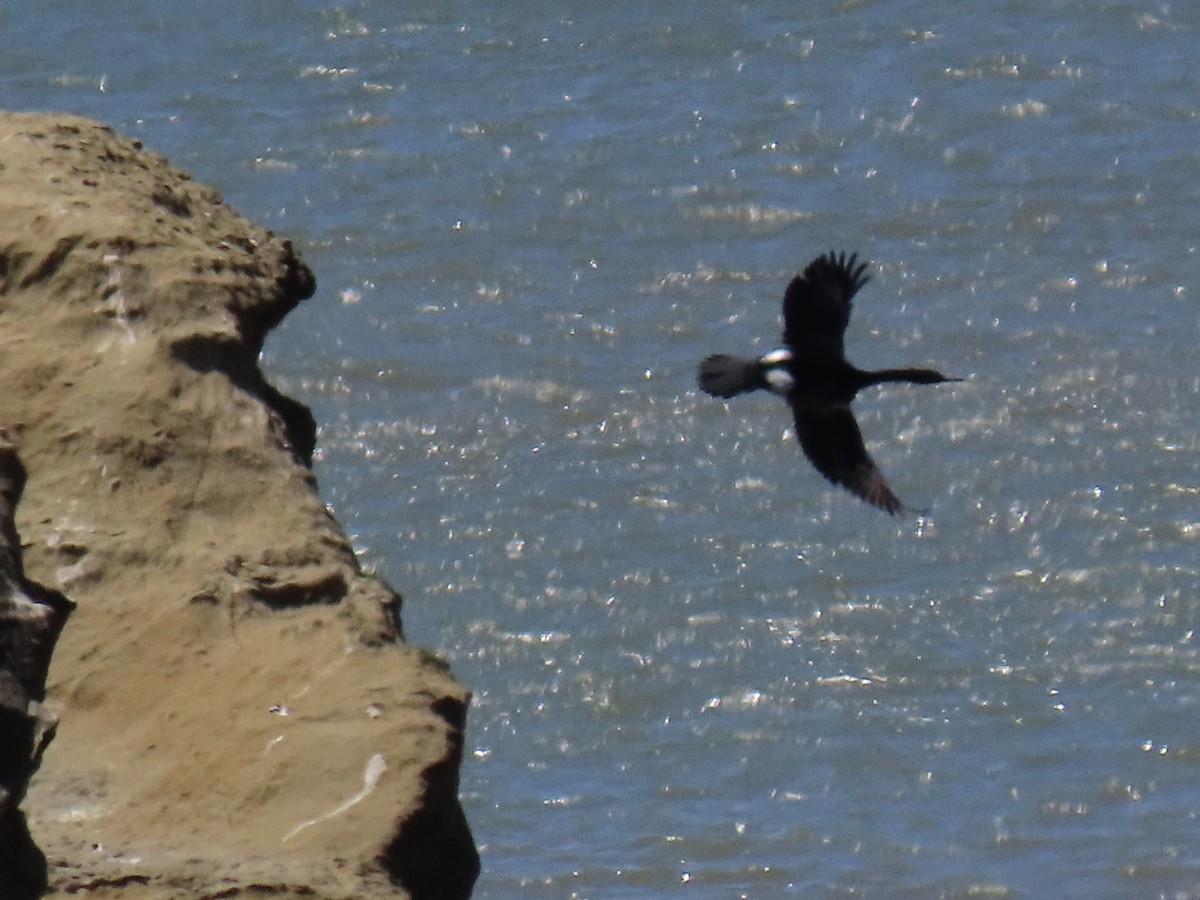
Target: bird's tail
x,y
723,375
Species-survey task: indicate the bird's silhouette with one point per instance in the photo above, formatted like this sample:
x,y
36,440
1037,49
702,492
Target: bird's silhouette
x,y
811,373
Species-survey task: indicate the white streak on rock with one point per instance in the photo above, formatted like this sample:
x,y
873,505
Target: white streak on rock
x,y
376,766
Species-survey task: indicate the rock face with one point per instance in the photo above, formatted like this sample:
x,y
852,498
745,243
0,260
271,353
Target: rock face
x,y
238,709
31,619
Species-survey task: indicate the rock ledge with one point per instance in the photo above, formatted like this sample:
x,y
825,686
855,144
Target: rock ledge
x,y
238,710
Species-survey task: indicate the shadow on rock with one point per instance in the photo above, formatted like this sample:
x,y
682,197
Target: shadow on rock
x,y
31,619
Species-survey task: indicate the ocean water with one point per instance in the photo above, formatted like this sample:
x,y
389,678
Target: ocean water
x,y
697,668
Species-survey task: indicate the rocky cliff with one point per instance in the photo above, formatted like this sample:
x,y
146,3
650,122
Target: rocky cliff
x,y
237,709
31,619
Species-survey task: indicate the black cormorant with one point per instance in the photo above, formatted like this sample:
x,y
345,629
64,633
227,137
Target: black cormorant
x,y
811,372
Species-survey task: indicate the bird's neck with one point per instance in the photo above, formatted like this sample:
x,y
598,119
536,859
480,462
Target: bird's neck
x,y
913,376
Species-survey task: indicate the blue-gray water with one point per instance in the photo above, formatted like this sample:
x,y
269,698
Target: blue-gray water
x,y
698,669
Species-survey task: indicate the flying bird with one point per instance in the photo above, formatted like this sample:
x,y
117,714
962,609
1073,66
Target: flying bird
x,y
812,374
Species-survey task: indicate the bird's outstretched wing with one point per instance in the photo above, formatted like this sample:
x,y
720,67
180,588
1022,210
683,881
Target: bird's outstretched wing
x,y
832,442
816,306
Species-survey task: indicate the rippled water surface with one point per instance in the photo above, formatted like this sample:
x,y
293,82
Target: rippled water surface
x,y
697,667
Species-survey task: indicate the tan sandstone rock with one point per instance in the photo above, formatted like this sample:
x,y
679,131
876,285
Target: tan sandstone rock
x,y
237,705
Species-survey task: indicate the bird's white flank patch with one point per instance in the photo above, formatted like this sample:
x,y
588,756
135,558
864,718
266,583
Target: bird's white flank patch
x,y
776,373
780,380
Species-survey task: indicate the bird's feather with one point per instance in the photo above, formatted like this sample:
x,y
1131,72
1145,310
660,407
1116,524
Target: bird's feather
x,y
816,306
724,375
831,440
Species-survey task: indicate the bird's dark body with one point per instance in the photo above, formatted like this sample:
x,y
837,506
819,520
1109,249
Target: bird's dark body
x,y
822,384
812,374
